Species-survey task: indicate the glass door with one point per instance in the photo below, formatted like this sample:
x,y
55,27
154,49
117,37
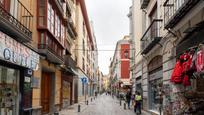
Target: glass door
x,y
9,91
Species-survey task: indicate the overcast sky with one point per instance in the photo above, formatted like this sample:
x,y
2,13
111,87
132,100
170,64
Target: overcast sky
x,y
111,24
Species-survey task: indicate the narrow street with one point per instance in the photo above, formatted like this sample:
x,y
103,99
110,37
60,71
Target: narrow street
x,y
103,105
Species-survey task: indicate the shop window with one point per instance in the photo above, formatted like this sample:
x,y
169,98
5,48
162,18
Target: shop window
x,y
9,91
155,83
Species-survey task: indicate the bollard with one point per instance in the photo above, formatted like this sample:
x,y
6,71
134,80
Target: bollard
x,y
124,105
79,107
91,99
87,102
120,102
56,113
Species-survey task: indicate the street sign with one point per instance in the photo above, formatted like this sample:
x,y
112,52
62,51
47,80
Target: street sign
x,y
84,80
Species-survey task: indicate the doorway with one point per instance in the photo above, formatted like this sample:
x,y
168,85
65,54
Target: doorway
x,y
45,92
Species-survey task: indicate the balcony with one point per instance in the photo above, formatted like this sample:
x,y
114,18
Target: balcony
x,y
59,4
16,20
151,37
175,10
71,29
144,3
69,61
70,5
50,53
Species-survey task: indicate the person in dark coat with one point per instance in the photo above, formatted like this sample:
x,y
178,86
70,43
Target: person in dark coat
x,y
128,98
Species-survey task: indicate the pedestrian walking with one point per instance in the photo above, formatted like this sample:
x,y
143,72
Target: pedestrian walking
x,y
128,98
138,101
133,100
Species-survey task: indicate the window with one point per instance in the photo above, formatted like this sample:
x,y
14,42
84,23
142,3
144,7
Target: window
x,y
58,28
49,17
41,13
83,47
154,28
52,20
83,66
42,38
56,25
62,34
84,32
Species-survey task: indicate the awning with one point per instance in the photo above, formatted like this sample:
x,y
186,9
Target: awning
x,y
75,72
127,83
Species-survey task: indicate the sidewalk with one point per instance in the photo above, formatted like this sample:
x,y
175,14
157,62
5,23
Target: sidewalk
x,y
73,109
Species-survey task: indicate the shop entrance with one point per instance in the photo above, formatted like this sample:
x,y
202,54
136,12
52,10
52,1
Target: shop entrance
x,y
66,97
9,91
45,92
155,83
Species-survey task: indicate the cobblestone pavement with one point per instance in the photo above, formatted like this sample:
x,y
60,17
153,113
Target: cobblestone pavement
x,y
103,105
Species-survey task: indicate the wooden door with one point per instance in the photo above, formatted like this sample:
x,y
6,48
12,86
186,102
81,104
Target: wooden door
x,y
45,92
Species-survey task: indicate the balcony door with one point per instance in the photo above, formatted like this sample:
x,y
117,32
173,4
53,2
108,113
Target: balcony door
x,y
13,8
152,17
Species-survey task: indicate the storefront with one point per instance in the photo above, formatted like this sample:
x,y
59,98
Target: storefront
x,y
188,83
155,84
67,89
17,63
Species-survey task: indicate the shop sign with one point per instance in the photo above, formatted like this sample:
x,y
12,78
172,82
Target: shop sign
x,y
17,53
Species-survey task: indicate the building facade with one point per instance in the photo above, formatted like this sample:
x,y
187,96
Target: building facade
x,y
120,66
167,29
39,57
19,59
84,51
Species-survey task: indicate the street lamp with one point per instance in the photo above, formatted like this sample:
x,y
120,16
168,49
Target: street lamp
x,y
126,53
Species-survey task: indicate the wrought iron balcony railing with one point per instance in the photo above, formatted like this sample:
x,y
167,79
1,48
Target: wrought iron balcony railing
x,y
175,10
144,3
16,20
69,61
151,36
50,53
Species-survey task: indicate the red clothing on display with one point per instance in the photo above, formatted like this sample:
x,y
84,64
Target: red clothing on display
x,y
187,63
200,60
186,81
177,73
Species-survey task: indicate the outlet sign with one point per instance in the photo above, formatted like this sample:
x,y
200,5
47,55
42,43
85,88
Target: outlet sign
x,y
17,53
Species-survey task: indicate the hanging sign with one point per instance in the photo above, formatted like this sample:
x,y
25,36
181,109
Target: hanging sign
x,y
17,53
